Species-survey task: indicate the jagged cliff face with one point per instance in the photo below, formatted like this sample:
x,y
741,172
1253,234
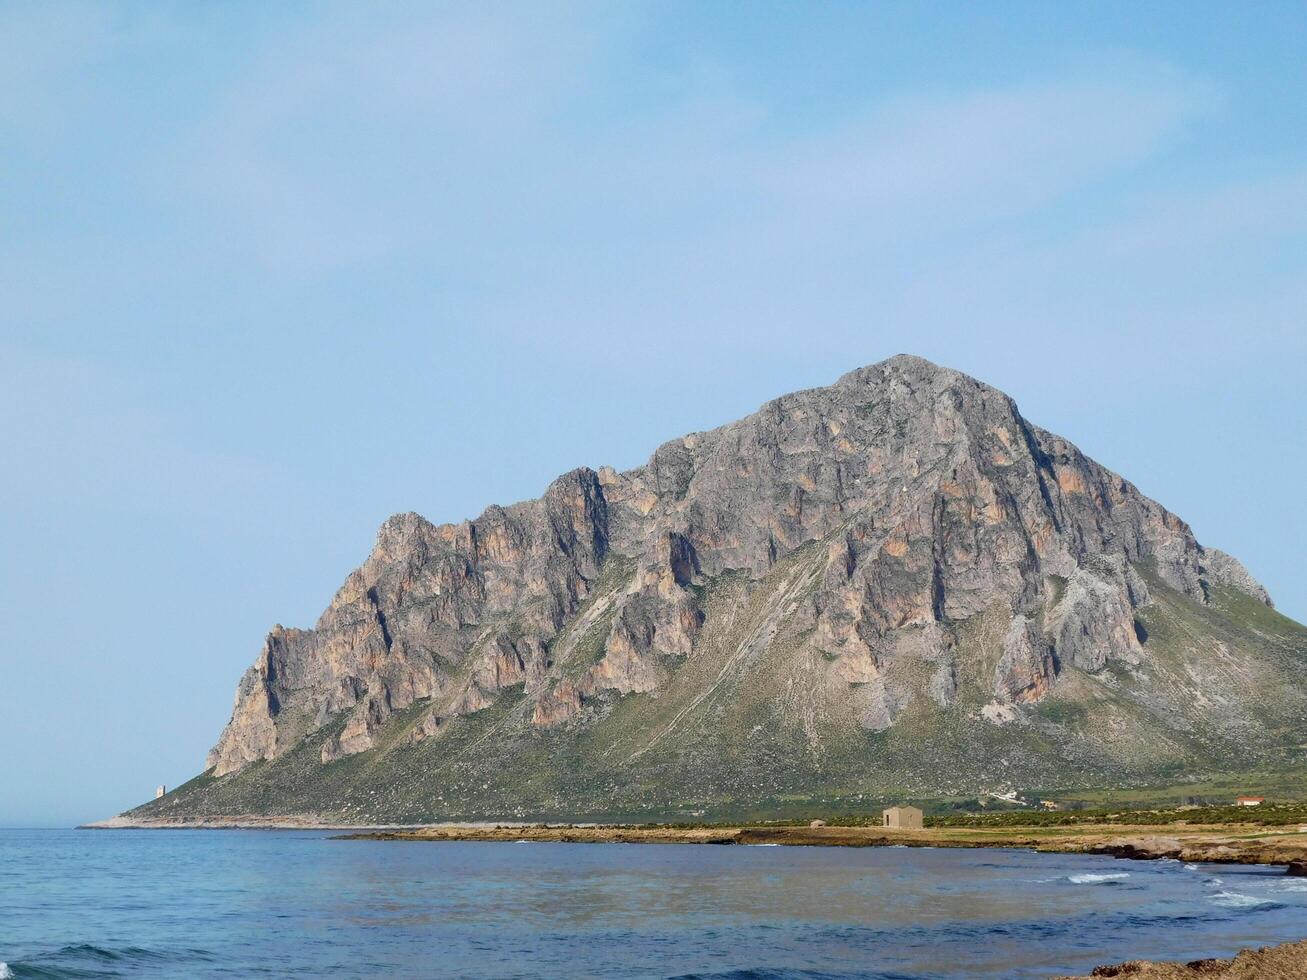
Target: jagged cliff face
x,y
900,540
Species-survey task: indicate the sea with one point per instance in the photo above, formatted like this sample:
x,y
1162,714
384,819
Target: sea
x,y
231,903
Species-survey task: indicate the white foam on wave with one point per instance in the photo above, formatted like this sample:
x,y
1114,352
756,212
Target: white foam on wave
x,y
1295,885
1191,867
5,972
1237,900
762,845
1089,879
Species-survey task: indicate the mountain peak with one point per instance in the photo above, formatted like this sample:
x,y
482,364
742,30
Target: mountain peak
x,y
902,364
786,599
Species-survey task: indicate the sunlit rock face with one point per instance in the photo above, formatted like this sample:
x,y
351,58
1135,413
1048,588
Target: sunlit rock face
x,y
841,549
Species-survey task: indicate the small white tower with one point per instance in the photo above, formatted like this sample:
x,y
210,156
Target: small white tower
x,y
159,791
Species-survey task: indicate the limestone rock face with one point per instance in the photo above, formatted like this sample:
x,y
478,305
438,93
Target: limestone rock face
x,y
859,530
1027,669
1218,568
1093,621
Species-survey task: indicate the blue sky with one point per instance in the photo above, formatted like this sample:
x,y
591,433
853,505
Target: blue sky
x,y
270,273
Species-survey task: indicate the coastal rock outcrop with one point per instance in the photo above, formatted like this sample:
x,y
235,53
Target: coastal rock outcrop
x,y
901,542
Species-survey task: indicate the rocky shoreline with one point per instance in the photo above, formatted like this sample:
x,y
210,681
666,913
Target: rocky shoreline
x,y
1217,844
1282,962
1220,845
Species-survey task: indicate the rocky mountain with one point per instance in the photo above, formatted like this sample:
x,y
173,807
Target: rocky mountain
x,y
892,585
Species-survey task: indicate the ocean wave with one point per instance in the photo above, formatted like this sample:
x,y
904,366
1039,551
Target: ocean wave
x,y
103,954
89,960
1238,900
1098,879
1191,867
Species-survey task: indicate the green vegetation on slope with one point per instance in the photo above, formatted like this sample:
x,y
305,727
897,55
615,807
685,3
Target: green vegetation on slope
x,y
718,743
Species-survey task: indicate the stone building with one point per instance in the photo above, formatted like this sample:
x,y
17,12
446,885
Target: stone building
x,y
159,791
902,818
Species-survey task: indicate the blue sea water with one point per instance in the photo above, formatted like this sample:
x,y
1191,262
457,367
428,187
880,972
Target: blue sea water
x,y
268,903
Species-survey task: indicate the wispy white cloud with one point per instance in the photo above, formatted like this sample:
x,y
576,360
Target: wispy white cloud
x,y
982,153
367,134
459,145
453,142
